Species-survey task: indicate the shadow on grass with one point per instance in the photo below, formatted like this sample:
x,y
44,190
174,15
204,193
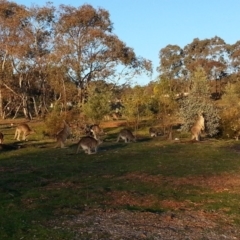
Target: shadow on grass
x,y
144,139
113,147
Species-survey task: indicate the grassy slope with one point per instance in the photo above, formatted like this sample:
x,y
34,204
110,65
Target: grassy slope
x,y
39,184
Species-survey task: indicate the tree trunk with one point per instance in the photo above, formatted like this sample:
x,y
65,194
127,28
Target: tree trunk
x,y
16,112
1,104
26,111
35,107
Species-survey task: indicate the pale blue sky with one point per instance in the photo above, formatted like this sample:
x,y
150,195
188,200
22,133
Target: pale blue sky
x,y
150,25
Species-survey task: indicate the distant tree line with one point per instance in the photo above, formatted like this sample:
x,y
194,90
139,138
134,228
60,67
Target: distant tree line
x,y
220,61
67,59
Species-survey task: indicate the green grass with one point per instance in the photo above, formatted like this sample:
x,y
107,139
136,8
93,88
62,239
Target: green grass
x,y
39,185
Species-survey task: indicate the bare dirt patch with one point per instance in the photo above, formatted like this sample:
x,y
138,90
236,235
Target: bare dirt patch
x,y
182,221
123,198
113,124
136,200
123,224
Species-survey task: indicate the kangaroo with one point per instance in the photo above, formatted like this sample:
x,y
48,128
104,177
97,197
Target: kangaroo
x,y
237,135
198,127
1,138
153,132
25,130
126,135
62,135
88,144
94,131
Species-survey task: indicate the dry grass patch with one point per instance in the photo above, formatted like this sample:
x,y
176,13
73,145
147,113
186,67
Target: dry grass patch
x,y
138,201
123,198
218,183
113,124
60,185
122,224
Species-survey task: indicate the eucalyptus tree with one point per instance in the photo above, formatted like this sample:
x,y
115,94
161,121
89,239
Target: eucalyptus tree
x,y
171,62
86,46
135,101
37,60
12,41
26,42
98,103
199,101
209,54
179,63
167,105
230,110
33,61
235,57
220,63
234,52
196,54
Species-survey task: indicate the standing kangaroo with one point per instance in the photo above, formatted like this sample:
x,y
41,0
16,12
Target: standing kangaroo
x,y
94,131
25,130
198,127
62,136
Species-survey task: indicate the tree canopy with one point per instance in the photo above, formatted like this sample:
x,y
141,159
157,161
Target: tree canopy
x,y
78,41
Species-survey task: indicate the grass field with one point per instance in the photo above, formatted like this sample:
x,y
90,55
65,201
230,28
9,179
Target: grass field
x,y
40,185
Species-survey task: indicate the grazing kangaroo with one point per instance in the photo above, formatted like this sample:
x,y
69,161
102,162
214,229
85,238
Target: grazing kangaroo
x,y
25,130
153,132
88,144
1,138
198,127
62,136
126,135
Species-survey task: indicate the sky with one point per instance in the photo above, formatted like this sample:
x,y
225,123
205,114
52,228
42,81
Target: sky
x,y
147,26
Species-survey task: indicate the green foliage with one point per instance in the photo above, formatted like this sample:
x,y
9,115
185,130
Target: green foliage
x,y
98,103
230,111
53,122
136,104
167,105
199,101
